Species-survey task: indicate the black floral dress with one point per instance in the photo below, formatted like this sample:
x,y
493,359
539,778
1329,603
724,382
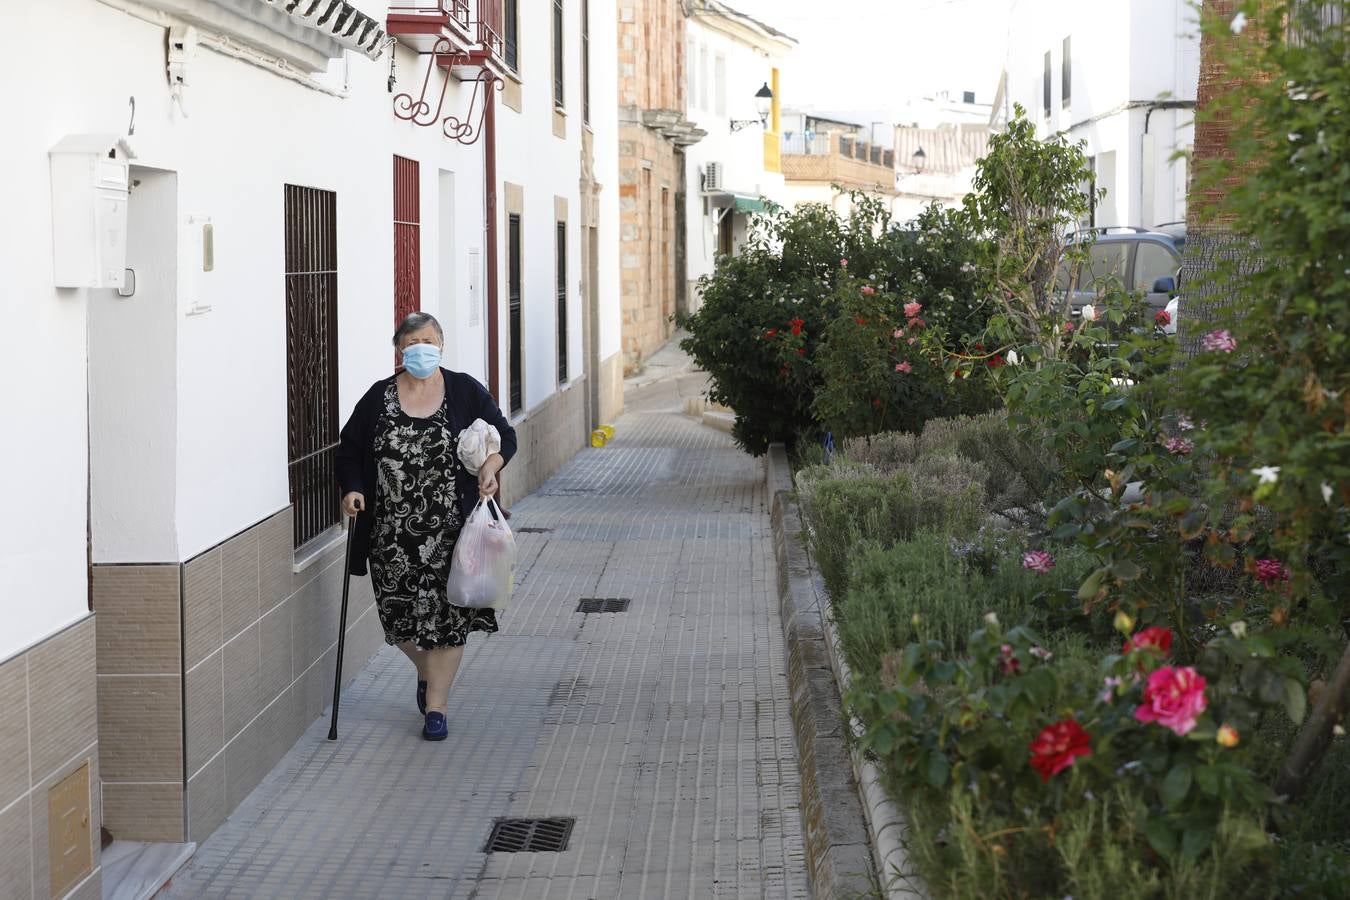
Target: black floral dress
x,y
417,521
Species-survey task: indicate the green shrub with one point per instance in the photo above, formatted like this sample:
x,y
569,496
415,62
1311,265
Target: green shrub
x,y
921,590
850,503
789,279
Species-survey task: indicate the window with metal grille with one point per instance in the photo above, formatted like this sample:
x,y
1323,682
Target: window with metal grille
x,y
514,333
311,358
586,61
558,53
1045,86
407,241
511,36
1065,74
562,301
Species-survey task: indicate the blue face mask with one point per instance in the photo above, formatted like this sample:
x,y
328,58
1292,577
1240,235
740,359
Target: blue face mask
x,y
421,360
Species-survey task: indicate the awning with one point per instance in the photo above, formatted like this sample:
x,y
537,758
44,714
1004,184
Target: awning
x,y
736,201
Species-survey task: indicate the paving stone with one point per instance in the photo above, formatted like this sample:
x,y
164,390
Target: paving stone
x,y
664,730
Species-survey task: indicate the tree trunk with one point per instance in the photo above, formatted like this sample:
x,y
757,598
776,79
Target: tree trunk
x,y
1316,733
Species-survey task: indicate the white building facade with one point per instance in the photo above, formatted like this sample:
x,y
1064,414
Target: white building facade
x,y
1121,77
730,58
196,295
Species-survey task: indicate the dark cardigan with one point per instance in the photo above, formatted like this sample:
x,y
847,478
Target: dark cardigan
x,y
465,400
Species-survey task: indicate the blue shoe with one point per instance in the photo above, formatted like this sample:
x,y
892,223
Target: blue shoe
x,y
422,697
435,728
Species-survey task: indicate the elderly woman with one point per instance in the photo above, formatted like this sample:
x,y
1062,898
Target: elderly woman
x,y
403,480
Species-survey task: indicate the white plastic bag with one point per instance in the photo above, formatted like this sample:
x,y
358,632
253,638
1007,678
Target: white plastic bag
x,y
476,443
482,569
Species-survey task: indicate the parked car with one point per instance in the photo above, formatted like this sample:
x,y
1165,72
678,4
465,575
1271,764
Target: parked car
x,y
1141,259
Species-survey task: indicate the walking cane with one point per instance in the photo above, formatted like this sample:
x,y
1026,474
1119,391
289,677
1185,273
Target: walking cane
x,y
342,629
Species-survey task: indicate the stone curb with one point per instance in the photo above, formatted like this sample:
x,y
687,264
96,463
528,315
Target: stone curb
x,y
853,832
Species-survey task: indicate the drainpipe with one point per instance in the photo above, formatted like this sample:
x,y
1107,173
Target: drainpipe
x,y
490,229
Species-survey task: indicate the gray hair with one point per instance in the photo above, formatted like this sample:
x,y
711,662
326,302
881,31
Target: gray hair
x,y
416,322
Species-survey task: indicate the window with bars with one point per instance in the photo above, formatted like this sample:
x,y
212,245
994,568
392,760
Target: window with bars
x,y
311,359
1045,86
407,241
561,267
511,34
558,53
1066,74
586,61
513,294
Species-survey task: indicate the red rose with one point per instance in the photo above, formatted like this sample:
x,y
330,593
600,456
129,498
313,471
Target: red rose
x,y
1155,638
1057,746
1162,319
995,361
796,325
860,320
801,351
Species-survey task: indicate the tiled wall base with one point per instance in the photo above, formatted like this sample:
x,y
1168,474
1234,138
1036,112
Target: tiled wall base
x,y
210,671
261,647
49,748
549,436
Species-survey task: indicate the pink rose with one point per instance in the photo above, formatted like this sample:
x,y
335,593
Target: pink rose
x,y
1173,698
1179,445
899,333
843,264
1269,571
912,309
868,290
904,367
1038,561
1220,341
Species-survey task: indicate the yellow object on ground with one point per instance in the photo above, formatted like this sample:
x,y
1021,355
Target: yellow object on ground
x,y
608,430
598,438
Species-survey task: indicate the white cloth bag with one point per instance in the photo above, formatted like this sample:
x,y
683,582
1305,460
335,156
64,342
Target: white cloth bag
x,y
476,443
482,569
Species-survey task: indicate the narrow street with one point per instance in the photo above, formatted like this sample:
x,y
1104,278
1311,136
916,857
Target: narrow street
x,y
663,730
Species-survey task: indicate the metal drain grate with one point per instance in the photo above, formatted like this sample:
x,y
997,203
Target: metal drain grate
x,y
530,835
603,604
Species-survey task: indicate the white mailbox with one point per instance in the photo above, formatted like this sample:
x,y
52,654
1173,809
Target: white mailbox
x,y
89,210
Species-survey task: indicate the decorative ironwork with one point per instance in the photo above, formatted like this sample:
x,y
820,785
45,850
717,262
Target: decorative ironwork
x,y
419,111
311,359
470,128
466,129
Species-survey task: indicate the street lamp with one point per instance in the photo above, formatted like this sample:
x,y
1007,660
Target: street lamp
x,y
919,159
763,103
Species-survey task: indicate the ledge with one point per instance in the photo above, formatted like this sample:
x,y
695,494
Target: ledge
x,y
853,832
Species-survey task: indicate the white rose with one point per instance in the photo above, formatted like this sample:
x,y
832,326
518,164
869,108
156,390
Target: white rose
x,y
1089,313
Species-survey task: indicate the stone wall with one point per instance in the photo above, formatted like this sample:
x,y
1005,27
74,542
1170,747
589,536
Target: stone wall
x,y
648,184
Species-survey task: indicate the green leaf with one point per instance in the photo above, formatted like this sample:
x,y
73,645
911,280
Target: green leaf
x,y
1089,589
1176,785
1194,840
936,769
1126,570
1207,777
1161,836
1295,701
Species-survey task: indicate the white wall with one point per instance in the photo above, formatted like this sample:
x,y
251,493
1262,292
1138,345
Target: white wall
x,y
1144,50
249,133
740,155
604,33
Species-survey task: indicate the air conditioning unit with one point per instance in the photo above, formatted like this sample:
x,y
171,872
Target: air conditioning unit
x,y
712,177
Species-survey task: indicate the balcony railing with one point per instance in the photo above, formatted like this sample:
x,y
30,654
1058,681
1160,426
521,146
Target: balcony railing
x,y
477,26
838,145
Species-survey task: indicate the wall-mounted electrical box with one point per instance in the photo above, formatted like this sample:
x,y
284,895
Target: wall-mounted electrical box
x,y
90,187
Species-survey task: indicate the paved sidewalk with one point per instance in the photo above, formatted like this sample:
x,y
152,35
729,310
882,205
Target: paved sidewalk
x,y
665,730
